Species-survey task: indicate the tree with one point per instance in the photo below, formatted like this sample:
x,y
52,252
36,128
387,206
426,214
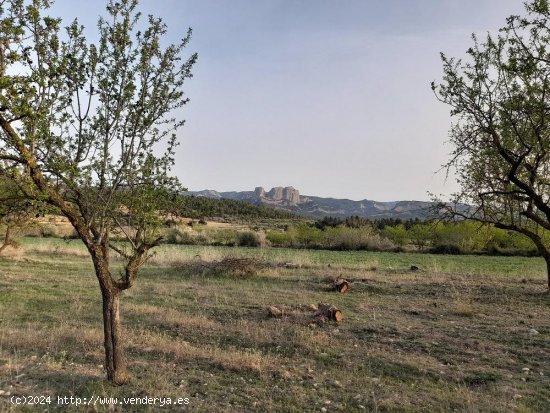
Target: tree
x,y
501,136
397,234
420,235
16,212
92,130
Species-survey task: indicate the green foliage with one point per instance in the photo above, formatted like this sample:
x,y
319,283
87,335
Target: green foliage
x,y
355,239
279,238
90,129
498,96
420,235
203,207
116,91
16,211
248,239
326,222
397,234
307,236
438,237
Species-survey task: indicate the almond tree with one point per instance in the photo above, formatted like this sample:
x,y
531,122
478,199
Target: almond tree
x,y
91,128
500,100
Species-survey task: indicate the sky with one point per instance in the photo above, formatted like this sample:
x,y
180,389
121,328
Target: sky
x,y
332,97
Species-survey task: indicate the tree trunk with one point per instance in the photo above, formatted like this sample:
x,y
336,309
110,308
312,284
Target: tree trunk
x,y
7,239
547,259
115,363
328,312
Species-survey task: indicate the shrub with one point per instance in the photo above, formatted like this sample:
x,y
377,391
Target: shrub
x,y
420,235
48,231
279,239
331,222
248,239
349,239
397,234
175,236
223,237
305,236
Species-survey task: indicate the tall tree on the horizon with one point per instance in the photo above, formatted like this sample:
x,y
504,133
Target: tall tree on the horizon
x,y
499,98
91,128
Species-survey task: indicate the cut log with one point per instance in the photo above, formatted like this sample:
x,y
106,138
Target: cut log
x,y
341,285
328,312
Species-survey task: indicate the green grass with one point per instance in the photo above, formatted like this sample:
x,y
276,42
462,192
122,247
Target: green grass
x,y
382,261
452,337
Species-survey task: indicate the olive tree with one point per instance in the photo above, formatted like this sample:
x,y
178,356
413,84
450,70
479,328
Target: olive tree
x,y
91,128
500,100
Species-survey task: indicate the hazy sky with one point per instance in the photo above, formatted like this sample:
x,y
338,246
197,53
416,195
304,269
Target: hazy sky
x,y
331,97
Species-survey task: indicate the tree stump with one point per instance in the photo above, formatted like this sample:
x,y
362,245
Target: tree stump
x,y
341,285
328,312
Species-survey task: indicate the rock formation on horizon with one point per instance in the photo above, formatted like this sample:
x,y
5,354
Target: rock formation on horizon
x,y
288,195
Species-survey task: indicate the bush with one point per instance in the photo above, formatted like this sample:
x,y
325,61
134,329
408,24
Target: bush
x,y
328,222
223,237
279,239
350,239
398,234
175,236
49,231
248,239
306,236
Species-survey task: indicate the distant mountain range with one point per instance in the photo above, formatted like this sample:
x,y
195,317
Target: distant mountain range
x,y
289,199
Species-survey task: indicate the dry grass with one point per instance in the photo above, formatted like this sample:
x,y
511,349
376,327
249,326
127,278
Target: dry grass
x,y
423,341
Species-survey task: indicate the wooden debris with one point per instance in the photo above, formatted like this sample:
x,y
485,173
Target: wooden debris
x,y
275,311
328,312
307,307
228,265
341,285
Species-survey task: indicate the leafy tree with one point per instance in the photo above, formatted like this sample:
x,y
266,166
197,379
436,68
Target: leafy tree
x,y
420,235
16,212
398,234
501,134
325,222
92,130
357,222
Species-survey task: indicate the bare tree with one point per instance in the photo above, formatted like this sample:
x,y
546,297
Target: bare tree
x,y
499,98
91,128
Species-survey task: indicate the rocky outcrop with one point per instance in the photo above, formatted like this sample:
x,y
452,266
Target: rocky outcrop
x,y
275,194
278,194
289,199
291,195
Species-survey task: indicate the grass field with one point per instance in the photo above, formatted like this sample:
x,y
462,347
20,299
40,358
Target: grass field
x,y
457,335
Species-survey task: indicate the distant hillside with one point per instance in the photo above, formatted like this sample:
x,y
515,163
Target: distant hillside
x,y
210,207
289,199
